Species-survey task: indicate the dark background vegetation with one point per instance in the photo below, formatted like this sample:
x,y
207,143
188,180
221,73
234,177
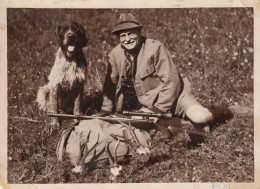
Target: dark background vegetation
x,y
213,47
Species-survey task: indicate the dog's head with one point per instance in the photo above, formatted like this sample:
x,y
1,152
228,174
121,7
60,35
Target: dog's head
x,y
71,38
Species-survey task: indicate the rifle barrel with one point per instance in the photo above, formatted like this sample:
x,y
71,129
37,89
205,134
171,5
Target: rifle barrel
x,y
148,114
108,119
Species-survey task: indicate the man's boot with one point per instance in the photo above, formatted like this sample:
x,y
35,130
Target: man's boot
x,y
220,114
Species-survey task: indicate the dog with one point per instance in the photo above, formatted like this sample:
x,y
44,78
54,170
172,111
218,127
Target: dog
x,y
64,91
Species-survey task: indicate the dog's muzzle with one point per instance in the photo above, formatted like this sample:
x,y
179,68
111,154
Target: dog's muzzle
x,y
71,44
72,39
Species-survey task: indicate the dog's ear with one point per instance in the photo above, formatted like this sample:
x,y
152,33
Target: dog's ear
x,y
81,32
58,34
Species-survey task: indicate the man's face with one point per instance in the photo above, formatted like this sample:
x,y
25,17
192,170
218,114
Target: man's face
x,y
130,38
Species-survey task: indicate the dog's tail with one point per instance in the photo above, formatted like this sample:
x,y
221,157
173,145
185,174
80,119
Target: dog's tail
x,y
43,96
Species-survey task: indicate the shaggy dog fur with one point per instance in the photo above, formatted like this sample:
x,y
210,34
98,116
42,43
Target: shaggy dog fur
x,y
63,92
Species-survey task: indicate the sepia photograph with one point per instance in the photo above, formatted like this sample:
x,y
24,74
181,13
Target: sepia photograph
x,y
130,95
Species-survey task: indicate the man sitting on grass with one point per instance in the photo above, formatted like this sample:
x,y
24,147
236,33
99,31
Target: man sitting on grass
x,y
142,68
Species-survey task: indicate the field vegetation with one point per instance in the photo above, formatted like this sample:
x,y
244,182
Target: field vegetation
x,y
213,47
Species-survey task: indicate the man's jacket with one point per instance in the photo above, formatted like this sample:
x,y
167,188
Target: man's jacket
x,y
157,81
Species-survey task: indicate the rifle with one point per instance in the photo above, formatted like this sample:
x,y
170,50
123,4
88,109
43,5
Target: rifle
x,y
109,119
166,124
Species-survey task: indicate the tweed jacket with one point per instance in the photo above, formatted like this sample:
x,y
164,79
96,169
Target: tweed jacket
x,y
157,81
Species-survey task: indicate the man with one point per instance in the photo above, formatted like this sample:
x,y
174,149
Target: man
x,y
143,67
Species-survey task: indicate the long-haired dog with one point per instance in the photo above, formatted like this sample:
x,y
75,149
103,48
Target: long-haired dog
x,y
64,90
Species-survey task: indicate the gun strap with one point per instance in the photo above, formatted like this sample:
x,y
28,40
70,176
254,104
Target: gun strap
x,y
63,142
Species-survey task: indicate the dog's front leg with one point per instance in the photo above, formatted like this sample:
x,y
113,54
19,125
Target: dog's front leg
x,y
54,104
77,103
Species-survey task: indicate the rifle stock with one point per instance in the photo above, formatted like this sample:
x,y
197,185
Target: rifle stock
x,y
174,125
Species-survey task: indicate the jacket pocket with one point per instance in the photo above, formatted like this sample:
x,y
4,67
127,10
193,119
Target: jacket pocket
x,y
147,71
139,89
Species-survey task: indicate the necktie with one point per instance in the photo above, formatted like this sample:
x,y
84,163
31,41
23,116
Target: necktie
x,y
131,67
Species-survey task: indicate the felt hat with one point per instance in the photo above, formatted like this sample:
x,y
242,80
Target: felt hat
x,y
126,21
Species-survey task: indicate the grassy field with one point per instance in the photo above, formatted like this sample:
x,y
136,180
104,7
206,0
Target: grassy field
x,y
212,47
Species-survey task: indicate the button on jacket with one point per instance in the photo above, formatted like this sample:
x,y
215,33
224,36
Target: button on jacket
x,y
157,81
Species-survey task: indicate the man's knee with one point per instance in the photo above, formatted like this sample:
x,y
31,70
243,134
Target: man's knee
x,y
199,114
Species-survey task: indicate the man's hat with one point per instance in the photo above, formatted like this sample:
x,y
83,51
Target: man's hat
x,y
126,21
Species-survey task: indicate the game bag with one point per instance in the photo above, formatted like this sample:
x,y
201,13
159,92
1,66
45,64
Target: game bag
x,y
92,140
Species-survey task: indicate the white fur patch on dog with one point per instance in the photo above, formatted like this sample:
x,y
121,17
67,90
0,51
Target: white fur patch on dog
x,y
42,97
66,72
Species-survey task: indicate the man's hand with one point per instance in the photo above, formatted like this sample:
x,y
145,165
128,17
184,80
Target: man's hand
x,y
103,113
146,110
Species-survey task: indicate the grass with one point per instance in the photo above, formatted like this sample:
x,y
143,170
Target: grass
x,y
212,47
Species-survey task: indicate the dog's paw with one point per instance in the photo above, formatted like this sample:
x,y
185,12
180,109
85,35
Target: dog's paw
x,y
54,126
54,122
76,120
77,114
